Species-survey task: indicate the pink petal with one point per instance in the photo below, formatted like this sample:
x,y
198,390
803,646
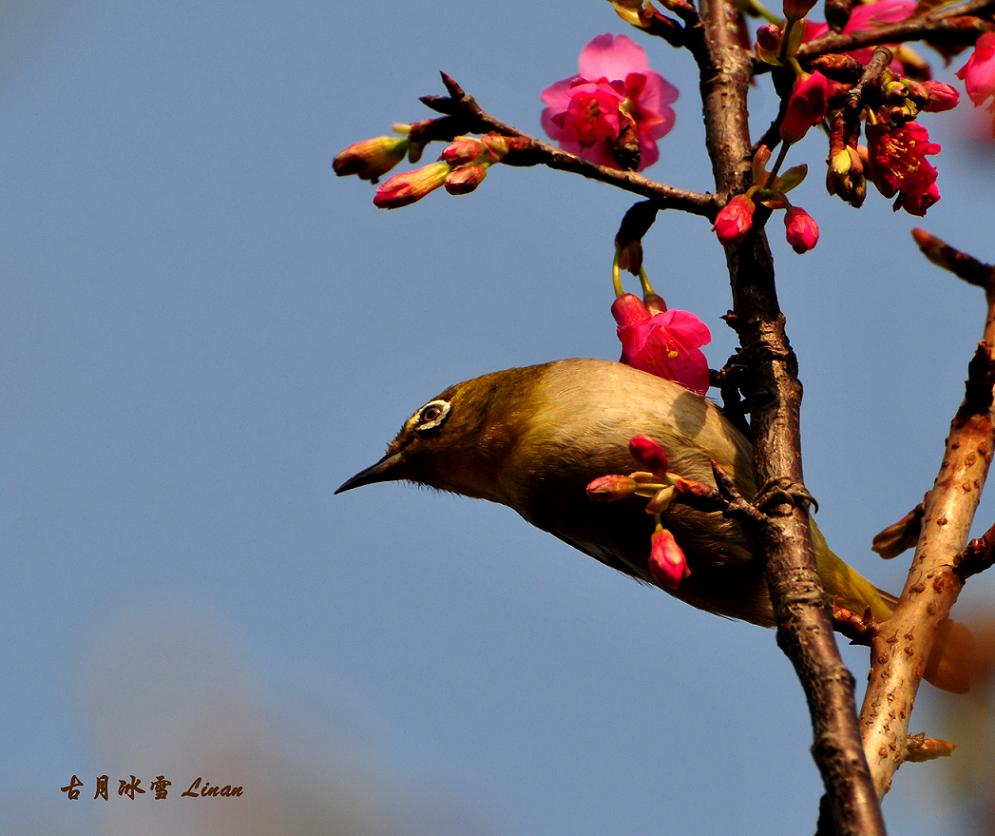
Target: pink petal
x,y
612,57
979,72
557,95
648,152
657,93
552,127
875,14
686,327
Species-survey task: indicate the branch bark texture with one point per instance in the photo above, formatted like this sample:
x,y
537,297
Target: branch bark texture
x,y
901,648
804,623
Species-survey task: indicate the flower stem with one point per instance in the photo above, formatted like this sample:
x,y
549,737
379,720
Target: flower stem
x,y
617,275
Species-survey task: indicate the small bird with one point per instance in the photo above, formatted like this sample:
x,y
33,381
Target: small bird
x,y
533,438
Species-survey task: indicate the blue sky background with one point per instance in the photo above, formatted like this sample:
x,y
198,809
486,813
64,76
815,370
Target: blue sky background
x,y
204,332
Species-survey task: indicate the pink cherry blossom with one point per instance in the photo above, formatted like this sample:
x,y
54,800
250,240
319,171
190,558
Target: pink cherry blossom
x,y
588,113
897,163
668,565
666,344
978,73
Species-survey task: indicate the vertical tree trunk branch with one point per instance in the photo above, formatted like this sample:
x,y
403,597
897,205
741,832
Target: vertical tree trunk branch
x,y
804,623
901,649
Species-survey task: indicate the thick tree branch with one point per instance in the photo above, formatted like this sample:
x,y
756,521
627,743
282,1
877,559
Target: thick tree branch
x,y
805,630
901,648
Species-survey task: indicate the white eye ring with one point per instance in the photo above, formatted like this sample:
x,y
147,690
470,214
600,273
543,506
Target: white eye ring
x,y
431,415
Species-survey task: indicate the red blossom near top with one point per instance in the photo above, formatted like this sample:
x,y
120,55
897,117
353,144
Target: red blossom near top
x,y
665,344
978,73
806,107
668,566
614,89
864,17
897,163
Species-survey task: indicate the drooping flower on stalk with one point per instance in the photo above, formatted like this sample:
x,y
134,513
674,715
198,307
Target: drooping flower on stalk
x,y
615,109
667,344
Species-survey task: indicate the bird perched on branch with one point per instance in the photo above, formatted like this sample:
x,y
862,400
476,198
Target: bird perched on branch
x,y
533,438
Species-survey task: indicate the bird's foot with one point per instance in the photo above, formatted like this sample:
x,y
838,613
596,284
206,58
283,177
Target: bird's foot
x,y
780,492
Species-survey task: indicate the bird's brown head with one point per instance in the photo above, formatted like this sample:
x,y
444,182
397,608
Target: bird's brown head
x,y
459,440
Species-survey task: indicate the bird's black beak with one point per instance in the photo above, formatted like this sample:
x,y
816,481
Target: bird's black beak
x,y
384,470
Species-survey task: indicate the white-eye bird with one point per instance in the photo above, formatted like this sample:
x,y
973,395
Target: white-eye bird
x,y
533,438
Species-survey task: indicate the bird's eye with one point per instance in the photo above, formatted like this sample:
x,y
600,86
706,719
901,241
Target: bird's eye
x,y
431,415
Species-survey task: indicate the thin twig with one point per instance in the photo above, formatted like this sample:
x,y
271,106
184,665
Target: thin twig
x,y
941,22
531,151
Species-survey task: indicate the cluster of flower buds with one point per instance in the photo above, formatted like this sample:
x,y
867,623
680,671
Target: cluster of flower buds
x,y
461,167
667,564
735,219
886,102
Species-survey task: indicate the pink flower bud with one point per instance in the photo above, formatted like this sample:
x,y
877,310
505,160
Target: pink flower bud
x,y
806,107
734,220
410,186
463,149
371,158
650,454
802,231
667,564
939,96
610,488
465,179
769,43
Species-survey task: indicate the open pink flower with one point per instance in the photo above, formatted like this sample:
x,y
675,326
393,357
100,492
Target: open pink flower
x,y
615,89
668,565
897,164
864,17
665,344
978,73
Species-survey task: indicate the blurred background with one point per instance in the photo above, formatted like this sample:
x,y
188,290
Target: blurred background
x,y
204,332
